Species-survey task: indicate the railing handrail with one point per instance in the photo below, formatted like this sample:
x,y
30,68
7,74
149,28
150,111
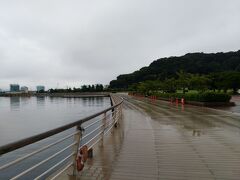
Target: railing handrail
x,y
30,140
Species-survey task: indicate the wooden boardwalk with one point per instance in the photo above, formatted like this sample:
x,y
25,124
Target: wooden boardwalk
x,y
156,140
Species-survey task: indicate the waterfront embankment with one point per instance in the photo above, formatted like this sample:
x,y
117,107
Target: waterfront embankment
x,y
63,95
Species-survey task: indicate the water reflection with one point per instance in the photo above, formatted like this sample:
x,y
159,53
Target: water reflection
x,y
41,101
196,132
24,101
92,101
99,100
15,103
51,98
69,100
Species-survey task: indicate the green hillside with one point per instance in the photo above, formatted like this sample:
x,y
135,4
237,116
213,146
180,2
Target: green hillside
x,y
194,63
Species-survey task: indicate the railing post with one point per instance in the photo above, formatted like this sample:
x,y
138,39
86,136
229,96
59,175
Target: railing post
x,y
116,117
121,111
104,126
77,138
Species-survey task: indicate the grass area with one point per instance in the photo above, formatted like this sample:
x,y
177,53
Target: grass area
x,y
229,91
208,96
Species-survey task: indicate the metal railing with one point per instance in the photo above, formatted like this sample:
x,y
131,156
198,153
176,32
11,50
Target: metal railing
x,y
88,131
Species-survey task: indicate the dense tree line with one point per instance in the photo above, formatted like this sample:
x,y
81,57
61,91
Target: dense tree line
x,y
216,82
215,66
84,88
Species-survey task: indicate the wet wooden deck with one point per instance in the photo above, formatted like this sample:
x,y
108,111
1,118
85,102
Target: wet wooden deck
x,y
156,140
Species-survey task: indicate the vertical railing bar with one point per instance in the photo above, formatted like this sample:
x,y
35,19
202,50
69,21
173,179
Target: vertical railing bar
x,y
112,122
77,138
104,126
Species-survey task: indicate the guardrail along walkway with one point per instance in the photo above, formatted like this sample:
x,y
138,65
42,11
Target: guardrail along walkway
x,y
158,140
72,144
148,139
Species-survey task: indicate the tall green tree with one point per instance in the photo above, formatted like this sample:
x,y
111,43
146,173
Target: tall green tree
x,y
199,82
229,80
169,85
183,80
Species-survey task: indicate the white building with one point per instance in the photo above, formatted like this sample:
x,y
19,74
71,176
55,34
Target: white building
x,y
24,89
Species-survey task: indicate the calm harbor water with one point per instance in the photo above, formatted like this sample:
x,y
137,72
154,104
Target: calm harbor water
x,y
22,117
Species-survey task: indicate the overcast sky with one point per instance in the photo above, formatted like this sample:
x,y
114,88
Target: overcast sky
x,y
60,43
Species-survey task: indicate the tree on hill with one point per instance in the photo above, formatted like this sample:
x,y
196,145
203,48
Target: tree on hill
x,y
183,80
199,82
229,80
169,85
194,63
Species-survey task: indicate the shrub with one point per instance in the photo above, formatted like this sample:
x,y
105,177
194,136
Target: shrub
x,y
200,97
214,97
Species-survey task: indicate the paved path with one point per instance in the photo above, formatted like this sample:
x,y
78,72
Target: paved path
x,y
157,140
236,108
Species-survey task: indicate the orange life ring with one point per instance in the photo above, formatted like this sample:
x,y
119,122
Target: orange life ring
x,y
84,152
82,157
80,164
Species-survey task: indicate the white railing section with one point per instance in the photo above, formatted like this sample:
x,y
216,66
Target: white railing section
x,y
88,131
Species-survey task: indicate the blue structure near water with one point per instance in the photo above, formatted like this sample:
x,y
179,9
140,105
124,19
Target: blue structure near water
x,y
14,87
40,88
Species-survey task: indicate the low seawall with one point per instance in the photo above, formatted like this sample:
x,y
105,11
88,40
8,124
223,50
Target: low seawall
x,y
63,95
205,104
77,95
16,94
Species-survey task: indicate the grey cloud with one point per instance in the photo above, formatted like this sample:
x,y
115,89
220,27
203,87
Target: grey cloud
x,y
75,42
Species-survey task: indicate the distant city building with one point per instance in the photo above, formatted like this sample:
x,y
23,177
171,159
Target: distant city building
x,y
24,89
40,88
14,87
